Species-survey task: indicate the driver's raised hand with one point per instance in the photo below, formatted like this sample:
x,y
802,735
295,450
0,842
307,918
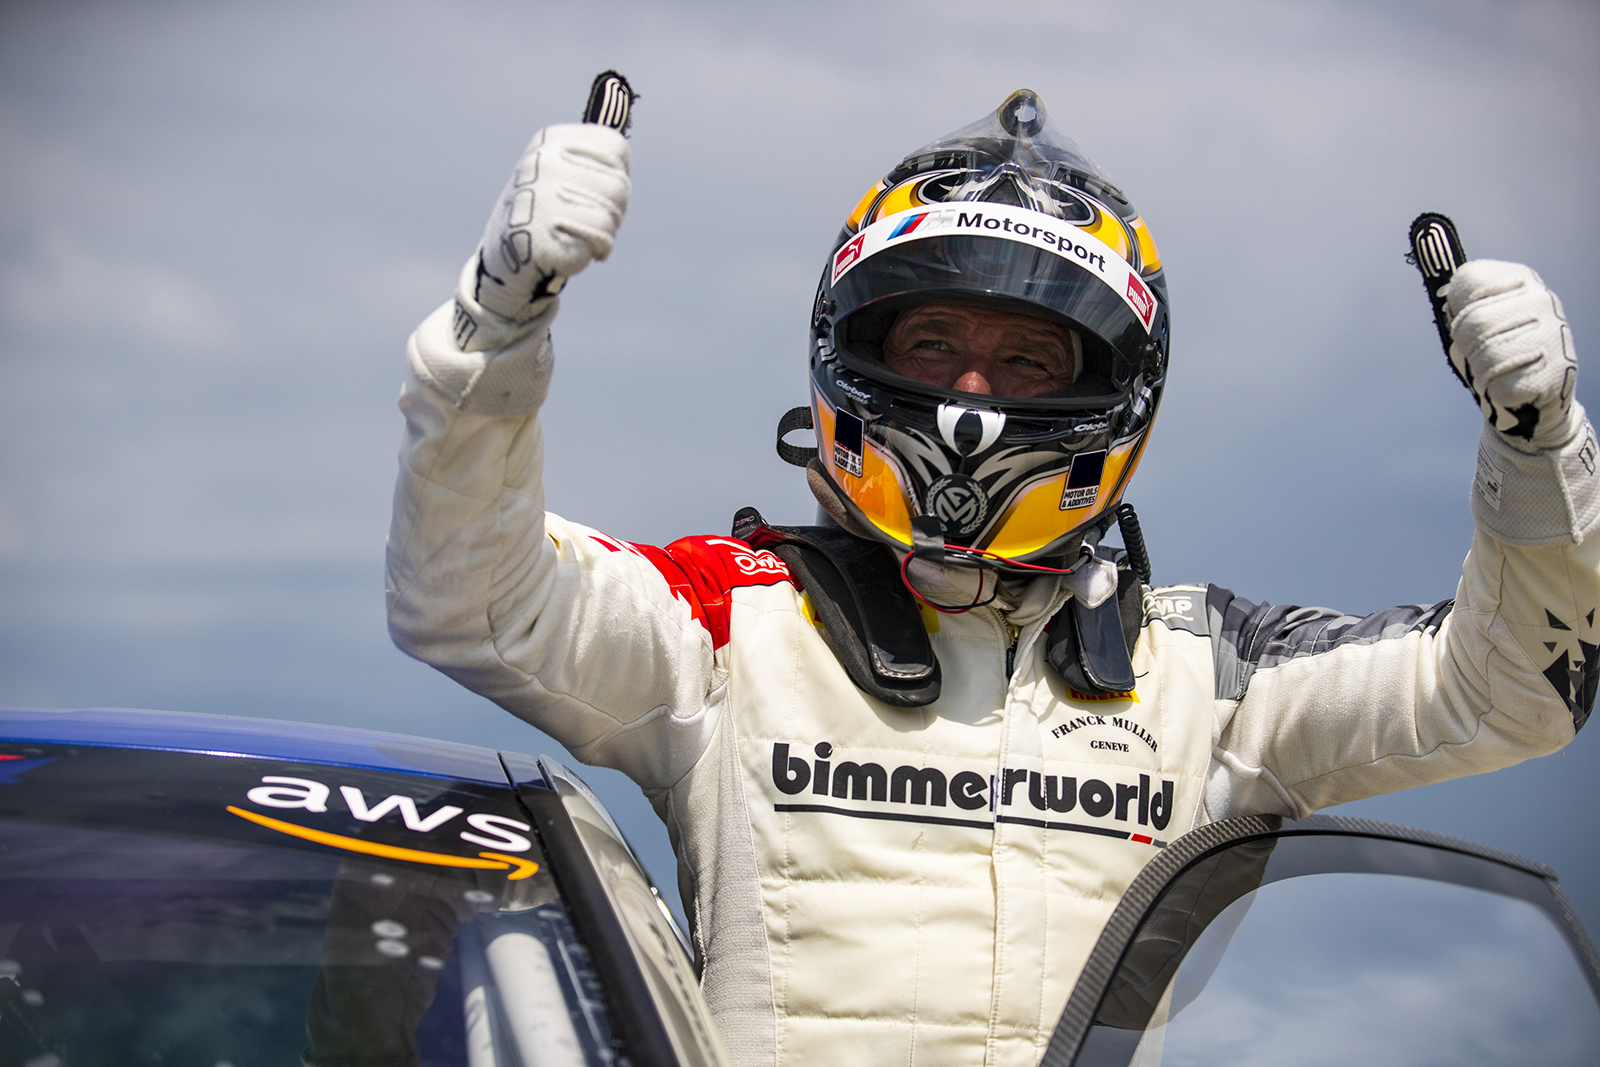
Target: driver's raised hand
x,y
489,350
559,211
1513,348
1537,458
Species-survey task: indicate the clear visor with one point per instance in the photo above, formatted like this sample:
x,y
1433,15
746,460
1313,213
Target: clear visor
x,y
1001,275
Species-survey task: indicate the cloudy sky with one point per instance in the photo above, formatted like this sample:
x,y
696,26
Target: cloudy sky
x,y
221,220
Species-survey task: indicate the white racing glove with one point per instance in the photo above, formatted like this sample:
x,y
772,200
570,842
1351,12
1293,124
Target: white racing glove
x,y
490,351
1511,344
560,210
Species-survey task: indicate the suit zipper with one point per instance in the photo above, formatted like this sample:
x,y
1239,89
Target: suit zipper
x,y
1012,632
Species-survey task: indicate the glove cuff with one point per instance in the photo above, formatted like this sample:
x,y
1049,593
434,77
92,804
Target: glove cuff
x,y
1538,499
509,381
476,327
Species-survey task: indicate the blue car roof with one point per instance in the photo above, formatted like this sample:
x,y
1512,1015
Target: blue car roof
x,y
233,735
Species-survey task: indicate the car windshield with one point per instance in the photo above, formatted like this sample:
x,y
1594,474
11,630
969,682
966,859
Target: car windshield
x,y
149,944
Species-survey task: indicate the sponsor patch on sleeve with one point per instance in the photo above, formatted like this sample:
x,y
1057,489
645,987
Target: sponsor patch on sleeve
x,y
1491,476
703,572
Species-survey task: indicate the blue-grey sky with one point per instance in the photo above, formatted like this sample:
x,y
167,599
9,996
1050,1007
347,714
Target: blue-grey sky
x,y
221,220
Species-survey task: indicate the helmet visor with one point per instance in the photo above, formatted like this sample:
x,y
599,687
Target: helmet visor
x,y
999,273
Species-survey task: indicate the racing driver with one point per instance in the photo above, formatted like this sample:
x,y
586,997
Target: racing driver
x,y
910,757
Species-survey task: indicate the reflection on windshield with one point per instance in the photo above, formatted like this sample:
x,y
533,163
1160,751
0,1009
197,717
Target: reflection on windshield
x,y
1376,969
125,948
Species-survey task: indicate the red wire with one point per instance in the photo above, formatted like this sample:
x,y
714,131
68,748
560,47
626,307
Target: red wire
x,y
905,578
1011,562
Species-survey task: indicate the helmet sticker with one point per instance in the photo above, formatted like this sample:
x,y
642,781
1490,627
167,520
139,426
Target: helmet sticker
x,y
847,256
960,503
1083,480
1007,223
1139,298
848,431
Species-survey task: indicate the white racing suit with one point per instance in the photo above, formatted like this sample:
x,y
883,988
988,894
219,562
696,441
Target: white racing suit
x,y
873,885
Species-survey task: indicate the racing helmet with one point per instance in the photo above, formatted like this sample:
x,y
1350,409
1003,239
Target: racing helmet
x,y
1007,214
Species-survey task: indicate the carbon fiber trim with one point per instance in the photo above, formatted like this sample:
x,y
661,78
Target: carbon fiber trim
x,y
1195,846
1585,945
1340,824
1177,857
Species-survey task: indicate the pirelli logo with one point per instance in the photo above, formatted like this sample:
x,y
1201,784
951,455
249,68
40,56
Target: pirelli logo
x,y
910,794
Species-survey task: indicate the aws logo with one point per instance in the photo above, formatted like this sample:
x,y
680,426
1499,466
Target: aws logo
x,y
495,831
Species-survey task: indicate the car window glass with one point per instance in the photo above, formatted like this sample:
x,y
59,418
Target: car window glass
x,y
1341,968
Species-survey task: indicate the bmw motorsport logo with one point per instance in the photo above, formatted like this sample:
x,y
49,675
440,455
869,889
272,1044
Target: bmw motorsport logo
x,y
960,503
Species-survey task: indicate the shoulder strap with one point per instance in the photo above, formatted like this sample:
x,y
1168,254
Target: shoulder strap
x,y
874,625
870,619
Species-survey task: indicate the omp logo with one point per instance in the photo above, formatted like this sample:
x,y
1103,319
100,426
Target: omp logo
x,y
1173,605
494,831
751,563
892,794
1181,609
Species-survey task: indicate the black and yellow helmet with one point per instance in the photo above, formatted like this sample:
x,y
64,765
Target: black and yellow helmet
x,y
1008,214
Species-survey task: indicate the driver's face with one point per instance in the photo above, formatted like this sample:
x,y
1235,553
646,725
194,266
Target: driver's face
x,y
975,350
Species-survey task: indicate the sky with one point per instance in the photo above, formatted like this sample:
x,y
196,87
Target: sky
x,y
221,220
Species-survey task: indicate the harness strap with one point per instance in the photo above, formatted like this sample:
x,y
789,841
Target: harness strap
x,y
874,625
869,618
1092,648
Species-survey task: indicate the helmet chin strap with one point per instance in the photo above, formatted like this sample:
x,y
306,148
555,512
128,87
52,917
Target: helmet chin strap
x,y
928,543
922,548
947,577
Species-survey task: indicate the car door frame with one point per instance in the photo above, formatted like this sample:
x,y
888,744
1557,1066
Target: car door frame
x,y
1148,888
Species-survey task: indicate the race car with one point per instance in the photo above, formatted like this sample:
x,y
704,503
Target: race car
x,y
202,890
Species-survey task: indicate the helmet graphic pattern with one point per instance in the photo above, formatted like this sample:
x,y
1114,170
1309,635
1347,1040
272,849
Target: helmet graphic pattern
x,y
1006,214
